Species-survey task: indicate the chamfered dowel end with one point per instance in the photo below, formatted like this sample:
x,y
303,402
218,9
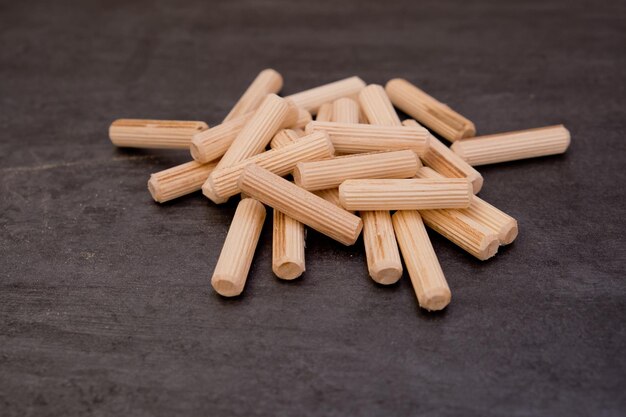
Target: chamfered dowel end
x,y
209,192
457,148
509,232
435,299
477,182
288,269
492,243
225,285
155,189
386,272
196,151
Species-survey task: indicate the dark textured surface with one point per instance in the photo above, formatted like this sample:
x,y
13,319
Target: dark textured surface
x,y
105,304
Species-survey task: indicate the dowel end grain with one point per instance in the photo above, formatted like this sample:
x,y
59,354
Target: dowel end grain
x,y
436,299
386,272
224,285
209,192
288,270
154,189
509,232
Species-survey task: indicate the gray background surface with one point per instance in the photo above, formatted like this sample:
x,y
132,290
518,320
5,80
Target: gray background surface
x,y
105,303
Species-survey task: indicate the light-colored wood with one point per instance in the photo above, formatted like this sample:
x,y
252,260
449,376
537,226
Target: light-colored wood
x,y
273,113
428,111
266,82
345,110
405,194
154,134
428,280
300,204
222,183
211,144
511,146
443,160
233,265
349,138
377,107
325,113
178,181
330,173
331,195
312,99
285,137
500,223
287,247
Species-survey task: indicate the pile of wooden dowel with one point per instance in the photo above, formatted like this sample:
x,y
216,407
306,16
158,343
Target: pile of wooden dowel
x,y
357,167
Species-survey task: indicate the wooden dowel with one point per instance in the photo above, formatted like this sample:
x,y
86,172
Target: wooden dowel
x,y
331,195
273,113
233,265
377,107
500,223
428,281
349,138
443,160
154,134
300,204
407,194
325,113
345,110
222,183
266,82
313,98
285,137
511,146
287,247
178,181
211,144
330,173
428,111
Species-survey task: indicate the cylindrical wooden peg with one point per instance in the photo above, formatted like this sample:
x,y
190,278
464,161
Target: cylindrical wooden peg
x,y
349,138
287,247
233,265
381,250
345,110
428,281
330,173
511,146
405,194
377,107
325,113
313,98
154,134
267,82
285,137
222,183
178,181
428,111
300,204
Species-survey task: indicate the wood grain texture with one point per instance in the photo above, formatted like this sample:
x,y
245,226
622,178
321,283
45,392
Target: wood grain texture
x,y
154,134
285,137
222,183
288,239
330,173
443,160
377,107
178,181
325,113
346,110
500,223
349,138
313,98
231,270
511,146
405,194
300,204
273,113
429,282
266,82
429,111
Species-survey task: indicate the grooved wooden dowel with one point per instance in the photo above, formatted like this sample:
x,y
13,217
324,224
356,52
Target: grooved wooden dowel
x,y
211,144
500,223
377,107
273,113
287,247
428,281
178,181
345,110
267,82
511,146
154,134
222,183
428,111
407,194
313,98
349,138
330,173
331,195
325,113
233,265
443,160
285,137
300,204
